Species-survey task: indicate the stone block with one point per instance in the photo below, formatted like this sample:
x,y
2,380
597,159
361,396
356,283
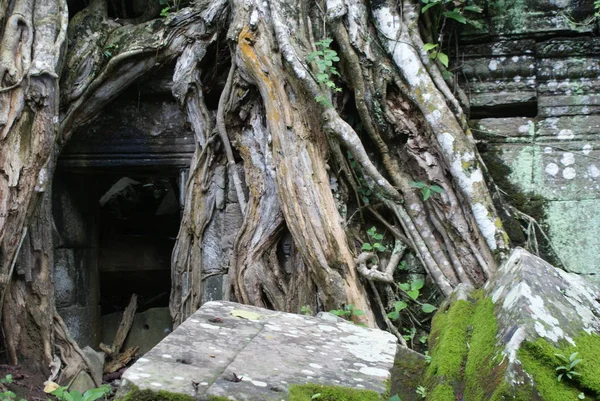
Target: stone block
x,y
502,343
568,74
147,330
213,288
574,232
65,279
268,350
83,324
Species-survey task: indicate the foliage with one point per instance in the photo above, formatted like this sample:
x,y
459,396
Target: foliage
x,y
348,312
324,59
443,10
306,392
63,394
395,397
568,369
412,290
168,7
426,190
8,395
375,242
306,310
109,50
421,391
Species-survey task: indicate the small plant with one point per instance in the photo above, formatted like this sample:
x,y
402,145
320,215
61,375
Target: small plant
x,y
434,53
168,7
427,357
395,397
426,190
109,50
315,396
568,369
348,312
62,393
306,310
421,391
375,243
8,395
324,59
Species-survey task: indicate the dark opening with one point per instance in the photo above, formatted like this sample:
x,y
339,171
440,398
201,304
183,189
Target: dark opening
x,y
504,111
139,218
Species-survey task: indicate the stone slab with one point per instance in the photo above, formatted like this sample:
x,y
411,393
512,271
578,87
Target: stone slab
x,y
147,330
269,353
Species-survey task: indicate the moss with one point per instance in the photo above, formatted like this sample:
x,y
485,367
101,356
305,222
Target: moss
x,y
539,360
135,394
483,372
305,392
443,392
449,342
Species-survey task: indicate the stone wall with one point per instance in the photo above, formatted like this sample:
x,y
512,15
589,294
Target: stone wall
x,y
532,73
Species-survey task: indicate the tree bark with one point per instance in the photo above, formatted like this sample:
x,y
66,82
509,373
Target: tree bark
x,y
305,161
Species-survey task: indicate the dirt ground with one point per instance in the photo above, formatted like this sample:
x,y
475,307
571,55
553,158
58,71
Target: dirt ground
x,y
24,384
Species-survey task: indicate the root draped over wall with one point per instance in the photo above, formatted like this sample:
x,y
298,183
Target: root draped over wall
x,y
294,163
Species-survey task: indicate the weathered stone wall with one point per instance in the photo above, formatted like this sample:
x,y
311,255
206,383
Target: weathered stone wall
x,y
532,73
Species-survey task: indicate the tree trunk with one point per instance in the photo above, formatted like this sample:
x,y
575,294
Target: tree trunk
x,y
299,155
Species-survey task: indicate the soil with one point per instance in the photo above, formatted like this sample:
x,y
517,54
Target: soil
x,y
26,385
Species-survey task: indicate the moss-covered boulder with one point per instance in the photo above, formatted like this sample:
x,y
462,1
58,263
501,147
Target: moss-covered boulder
x,y
533,333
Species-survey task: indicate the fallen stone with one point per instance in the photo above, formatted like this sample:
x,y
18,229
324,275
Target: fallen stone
x,y
508,340
242,352
96,363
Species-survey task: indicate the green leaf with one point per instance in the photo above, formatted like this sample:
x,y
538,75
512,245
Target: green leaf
x,y
379,247
436,189
400,305
76,395
443,57
426,193
417,184
366,247
395,398
473,9
429,46
427,7
315,396
404,286
428,308
456,16
417,284
393,315
414,294
581,396
357,312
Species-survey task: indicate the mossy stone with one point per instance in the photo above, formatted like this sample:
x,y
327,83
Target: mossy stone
x,y
305,392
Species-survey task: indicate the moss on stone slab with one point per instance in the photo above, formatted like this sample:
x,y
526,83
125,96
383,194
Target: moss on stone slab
x,y
540,361
136,394
305,392
448,342
443,392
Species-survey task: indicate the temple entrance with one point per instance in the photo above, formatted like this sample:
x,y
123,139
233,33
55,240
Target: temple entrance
x,y
117,199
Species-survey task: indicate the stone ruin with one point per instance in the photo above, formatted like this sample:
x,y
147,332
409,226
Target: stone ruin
x,y
532,74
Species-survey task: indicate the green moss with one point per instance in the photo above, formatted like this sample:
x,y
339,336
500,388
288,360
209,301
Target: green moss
x,y
540,361
304,392
449,343
442,392
135,394
483,372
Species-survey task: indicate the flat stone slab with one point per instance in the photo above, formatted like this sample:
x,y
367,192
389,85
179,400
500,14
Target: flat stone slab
x,y
207,354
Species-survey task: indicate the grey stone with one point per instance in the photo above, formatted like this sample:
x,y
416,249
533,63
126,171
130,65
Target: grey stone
x,y
270,351
83,324
96,360
65,284
213,288
147,330
530,301
82,382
